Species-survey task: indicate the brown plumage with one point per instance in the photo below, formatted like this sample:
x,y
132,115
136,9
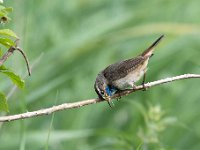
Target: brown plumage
x,y
123,68
123,75
120,69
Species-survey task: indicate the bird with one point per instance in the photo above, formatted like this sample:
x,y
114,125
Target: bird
x,y
124,74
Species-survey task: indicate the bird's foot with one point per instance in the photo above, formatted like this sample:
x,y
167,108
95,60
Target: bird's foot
x,y
119,95
144,87
143,82
134,86
118,98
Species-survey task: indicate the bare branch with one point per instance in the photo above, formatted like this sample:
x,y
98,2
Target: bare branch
x,y
64,106
26,60
11,51
6,55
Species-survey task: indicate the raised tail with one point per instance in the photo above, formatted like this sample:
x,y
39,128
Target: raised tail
x,y
149,51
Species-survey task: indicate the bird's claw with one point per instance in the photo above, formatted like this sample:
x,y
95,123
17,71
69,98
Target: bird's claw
x,y
118,98
144,87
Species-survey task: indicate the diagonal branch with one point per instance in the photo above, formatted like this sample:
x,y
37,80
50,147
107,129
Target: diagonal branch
x,y
10,52
6,55
64,106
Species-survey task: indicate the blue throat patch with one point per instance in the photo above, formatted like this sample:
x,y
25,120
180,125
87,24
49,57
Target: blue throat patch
x,y
110,90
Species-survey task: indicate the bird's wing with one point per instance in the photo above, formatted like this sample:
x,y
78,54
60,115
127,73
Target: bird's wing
x,y
121,69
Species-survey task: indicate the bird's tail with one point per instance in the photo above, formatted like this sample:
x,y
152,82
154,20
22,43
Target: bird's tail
x,y
149,51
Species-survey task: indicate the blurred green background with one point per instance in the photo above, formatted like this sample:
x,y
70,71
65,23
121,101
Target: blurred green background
x,y
69,42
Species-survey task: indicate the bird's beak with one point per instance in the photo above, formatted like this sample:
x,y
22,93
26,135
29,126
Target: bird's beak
x,y
110,102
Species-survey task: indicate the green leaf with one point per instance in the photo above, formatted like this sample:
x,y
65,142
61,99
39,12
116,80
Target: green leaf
x,y
7,42
8,32
5,9
2,14
14,77
8,9
3,103
3,68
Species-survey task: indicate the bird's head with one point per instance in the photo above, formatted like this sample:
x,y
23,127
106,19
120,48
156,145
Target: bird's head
x,y
101,87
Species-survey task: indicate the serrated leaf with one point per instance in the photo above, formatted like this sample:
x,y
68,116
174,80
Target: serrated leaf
x,y
14,77
8,32
3,103
7,42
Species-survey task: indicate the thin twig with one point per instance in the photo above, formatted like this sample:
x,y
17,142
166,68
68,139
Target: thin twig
x,y
6,55
64,106
11,51
26,60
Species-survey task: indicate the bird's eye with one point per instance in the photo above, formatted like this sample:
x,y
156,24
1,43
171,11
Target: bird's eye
x,y
102,92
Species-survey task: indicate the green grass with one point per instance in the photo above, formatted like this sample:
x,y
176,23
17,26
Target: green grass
x,y
78,38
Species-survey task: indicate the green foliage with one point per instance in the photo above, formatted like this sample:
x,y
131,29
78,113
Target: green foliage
x,y
155,124
6,39
8,32
7,42
4,11
14,77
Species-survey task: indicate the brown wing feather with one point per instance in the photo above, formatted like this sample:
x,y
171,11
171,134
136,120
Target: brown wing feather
x,y
121,69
